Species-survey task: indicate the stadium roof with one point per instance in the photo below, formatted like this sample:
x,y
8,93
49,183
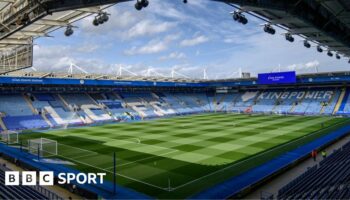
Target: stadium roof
x,y
23,20
325,22
97,77
150,78
41,27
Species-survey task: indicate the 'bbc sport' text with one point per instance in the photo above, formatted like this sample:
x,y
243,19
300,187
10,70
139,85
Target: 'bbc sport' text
x,y
46,178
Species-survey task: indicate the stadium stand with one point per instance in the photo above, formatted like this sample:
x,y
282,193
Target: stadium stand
x,y
23,192
345,105
138,102
244,101
265,105
45,110
14,105
24,122
329,180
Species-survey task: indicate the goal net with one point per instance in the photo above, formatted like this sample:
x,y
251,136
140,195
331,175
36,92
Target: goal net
x,y
9,137
42,146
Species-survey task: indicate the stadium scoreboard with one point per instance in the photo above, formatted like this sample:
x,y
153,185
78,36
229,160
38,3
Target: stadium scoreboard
x,y
277,78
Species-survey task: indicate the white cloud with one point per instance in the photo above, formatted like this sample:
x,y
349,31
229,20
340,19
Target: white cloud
x,y
153,46
58,59
231,45
88,48
173,55
311,66
119,20
194,41
150,48
148,28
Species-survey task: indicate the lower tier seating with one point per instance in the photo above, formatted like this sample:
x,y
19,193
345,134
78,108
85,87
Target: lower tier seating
x,y
18,192
329,180
24,122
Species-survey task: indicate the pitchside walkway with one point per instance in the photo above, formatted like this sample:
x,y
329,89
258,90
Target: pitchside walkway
x,y
275,184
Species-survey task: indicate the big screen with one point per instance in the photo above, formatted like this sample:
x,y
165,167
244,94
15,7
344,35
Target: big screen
x,y
277,78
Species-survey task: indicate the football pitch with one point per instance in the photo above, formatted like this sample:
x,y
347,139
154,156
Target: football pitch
x,y
180,156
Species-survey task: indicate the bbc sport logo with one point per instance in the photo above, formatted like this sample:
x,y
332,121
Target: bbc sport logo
x,y
46,178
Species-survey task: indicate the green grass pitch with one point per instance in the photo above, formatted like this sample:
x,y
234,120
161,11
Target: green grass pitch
x,y
177,157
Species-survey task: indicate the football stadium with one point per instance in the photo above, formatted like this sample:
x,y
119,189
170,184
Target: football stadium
x,y
277,134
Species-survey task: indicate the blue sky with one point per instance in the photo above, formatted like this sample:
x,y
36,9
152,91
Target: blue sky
x,y
186,37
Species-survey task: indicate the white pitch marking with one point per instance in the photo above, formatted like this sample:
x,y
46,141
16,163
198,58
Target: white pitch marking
x,y
127,177
143,159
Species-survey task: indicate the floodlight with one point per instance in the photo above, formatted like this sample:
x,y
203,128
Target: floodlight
x,y
69,31
238,16
100,19
330,54
141,4
95,22
319,49
145,3
289,37
243,20
307,44
269,29
105,17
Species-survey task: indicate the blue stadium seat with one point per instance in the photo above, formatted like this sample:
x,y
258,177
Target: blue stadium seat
x,y
20,192
25,122
14,105
329,180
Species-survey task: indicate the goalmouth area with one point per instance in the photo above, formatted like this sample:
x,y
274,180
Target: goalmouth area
x,y
181,156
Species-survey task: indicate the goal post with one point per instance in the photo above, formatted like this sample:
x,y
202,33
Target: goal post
x,y
9,137
43,147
